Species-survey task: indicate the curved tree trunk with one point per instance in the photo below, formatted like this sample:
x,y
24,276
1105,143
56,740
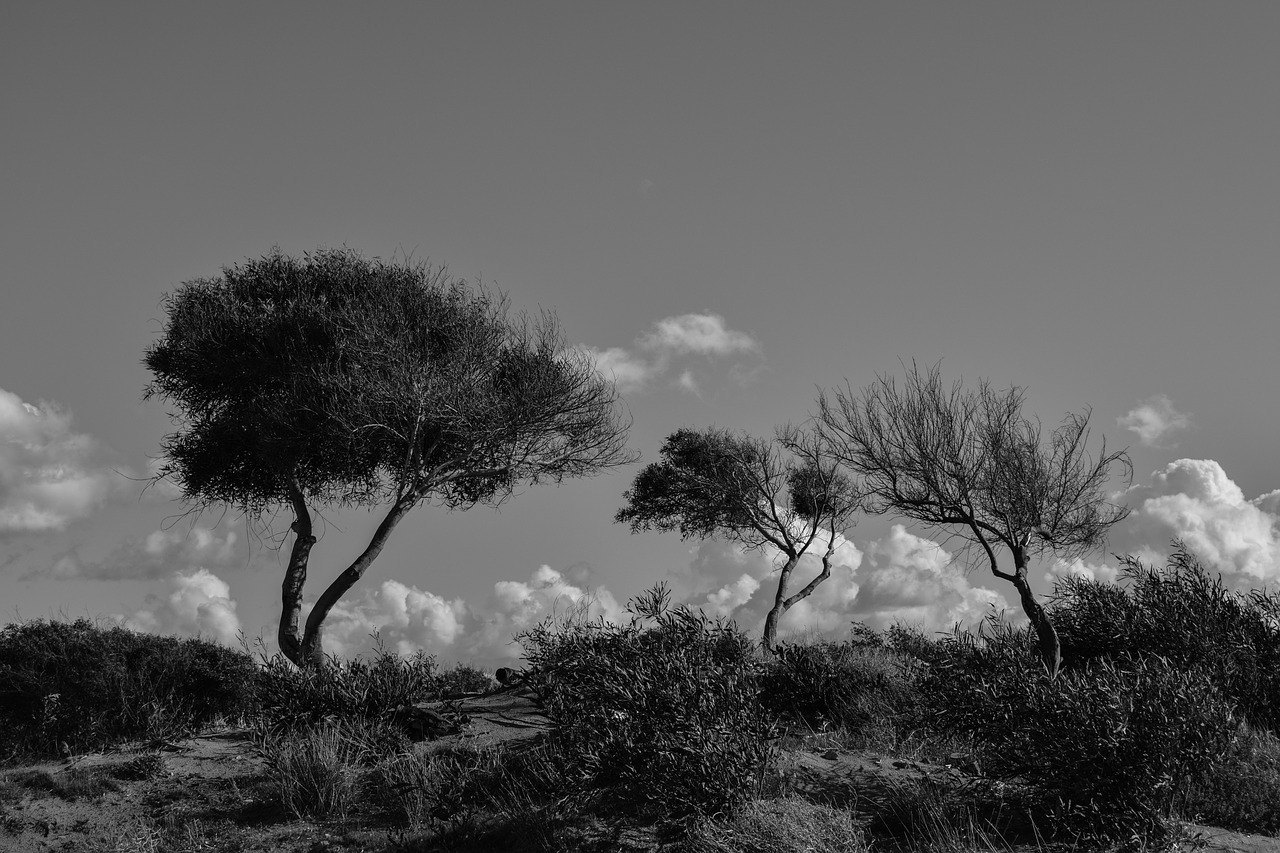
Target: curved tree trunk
x,y
312,651
1047,641
779,607
295,577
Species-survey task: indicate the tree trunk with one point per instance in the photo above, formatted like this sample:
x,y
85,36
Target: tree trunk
x,y
779,606
295,577
312,650
1047,641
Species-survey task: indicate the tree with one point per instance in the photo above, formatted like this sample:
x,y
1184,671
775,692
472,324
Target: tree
x,y
971,463
336,380
783,492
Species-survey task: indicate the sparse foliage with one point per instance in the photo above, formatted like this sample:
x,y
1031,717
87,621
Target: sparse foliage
x,y
783,493
336,380
972,464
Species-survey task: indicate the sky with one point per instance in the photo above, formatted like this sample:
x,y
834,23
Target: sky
x,y
732,205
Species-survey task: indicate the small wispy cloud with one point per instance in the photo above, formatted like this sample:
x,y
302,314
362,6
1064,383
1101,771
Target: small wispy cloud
x,y
667,342
154,556
1153,419
697,334
628,372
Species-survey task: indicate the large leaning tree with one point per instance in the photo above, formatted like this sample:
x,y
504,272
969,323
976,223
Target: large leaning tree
x,y
970,463
332,380
784,492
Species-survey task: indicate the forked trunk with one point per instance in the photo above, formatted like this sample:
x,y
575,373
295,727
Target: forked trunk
x,y
781,603
311,652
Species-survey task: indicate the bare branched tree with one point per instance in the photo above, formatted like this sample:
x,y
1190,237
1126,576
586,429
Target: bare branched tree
x,y
970,463
335,380
784,492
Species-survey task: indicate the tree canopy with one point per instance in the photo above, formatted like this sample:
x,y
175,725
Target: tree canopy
x,y
338,380
783,492
971,463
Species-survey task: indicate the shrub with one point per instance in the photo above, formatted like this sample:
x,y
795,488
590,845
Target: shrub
x,y
462,678
1241,791
291,699
660,713
1182,615
851,684
1109,745
87,686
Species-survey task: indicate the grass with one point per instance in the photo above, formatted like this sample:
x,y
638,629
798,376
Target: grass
x,y
77,783
786,825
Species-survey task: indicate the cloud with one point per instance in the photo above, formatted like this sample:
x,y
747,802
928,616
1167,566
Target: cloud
x,y
515,606
898,578
668,342
1194,500
156,555
47,474
697,334
1154,419
628,372
1062,569
196,603
408,619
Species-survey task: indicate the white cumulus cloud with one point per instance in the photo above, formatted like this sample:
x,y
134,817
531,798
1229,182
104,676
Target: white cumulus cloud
x,y
195,603
1153,419
517,605
1194,500
408,619
48,476
899,578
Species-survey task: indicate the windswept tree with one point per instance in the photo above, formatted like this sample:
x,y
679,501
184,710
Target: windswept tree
x,y
783,492
333,380
969,463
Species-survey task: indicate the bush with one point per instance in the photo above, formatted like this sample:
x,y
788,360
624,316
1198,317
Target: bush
x,y
462,678
1109,745
291,699
660,714
851,684
1180,614
88,687
1242,789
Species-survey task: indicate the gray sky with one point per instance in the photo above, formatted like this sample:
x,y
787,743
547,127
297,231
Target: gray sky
x,y
1080,198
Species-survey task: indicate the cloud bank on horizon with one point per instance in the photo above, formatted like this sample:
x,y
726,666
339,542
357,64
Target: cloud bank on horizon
x,y
49,477
670,340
